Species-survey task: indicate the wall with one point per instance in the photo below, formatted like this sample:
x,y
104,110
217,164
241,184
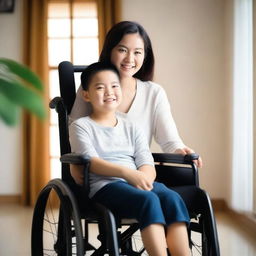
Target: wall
x,y
189,43
10,145
254,109
228,90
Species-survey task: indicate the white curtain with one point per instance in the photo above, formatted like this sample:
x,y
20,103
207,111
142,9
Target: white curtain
x,y
242,171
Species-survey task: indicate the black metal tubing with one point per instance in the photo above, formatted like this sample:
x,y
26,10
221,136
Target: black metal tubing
x,y
211,225
67,82
175,158
73,158
110,229
78,159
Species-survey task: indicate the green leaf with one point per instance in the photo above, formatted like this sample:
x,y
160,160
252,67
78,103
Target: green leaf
x,y
22,96
9,112
22,72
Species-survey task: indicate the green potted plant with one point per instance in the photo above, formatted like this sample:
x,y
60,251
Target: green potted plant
x,y
20,88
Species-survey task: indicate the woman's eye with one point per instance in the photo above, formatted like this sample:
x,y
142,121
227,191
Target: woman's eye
x,y
137,53
121,50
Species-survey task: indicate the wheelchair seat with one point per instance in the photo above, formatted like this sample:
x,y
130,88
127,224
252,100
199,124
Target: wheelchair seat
x,y
64,213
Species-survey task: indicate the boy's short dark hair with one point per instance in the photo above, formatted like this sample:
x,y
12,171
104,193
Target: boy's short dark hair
x,y
93,69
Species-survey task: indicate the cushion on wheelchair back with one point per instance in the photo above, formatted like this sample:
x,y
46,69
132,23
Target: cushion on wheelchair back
x,y
173,176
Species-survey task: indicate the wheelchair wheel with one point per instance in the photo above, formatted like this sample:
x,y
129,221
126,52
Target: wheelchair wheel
x,y
56,226
134,246
199,244
202,231
198,240
137,244
201,237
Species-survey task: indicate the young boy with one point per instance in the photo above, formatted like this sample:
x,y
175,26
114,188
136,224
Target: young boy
x,y
122,169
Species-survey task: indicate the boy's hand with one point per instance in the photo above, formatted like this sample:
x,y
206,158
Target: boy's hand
x,y
139,180
77,173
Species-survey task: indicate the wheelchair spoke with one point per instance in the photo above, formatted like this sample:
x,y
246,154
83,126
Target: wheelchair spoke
x,y
54,222
51,223
138,245
196,244
55,231
46,252
54,240
54,235
50,226
198,249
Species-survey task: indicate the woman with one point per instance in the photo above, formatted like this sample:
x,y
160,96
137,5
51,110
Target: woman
x,y
129,48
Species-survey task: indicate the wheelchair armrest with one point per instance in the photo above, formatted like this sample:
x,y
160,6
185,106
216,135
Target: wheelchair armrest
x,y
57,103
175,158
79,159
73,158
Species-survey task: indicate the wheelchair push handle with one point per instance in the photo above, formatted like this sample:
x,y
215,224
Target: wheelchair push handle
x,y
191,157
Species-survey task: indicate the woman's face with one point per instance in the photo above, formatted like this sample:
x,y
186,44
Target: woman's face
x,y
128,55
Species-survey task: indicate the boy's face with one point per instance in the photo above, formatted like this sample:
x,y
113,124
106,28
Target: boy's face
x,y
104,91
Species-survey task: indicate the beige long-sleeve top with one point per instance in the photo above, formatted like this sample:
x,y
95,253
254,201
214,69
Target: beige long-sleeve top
x,y
150,109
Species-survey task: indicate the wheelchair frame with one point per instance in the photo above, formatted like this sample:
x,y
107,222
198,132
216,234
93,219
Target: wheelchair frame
x,y
176,171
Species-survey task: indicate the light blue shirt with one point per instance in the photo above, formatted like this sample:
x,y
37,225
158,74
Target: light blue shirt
x,y
124,144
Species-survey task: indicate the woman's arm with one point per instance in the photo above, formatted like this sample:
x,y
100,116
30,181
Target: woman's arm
x,y
164,127
166,132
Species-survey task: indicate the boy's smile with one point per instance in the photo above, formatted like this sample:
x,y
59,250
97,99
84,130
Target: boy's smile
x,y
109,100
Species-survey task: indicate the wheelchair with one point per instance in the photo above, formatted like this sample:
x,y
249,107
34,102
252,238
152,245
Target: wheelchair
x,y
63,213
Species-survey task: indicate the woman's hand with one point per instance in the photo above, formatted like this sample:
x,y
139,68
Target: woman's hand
x,y
187,150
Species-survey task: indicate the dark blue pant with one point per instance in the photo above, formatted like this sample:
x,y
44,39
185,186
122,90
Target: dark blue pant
x,y
160,205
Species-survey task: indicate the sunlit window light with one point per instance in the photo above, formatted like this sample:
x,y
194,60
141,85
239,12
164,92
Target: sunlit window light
x,y
72,36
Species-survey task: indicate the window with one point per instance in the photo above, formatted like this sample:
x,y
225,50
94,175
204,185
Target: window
x,y
242,173
72,36
254,106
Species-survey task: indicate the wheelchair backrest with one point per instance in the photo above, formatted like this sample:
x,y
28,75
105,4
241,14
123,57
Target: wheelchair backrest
x,y
67,87
67,83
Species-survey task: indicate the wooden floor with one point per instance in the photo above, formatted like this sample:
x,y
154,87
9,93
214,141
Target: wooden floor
x,y
15,224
